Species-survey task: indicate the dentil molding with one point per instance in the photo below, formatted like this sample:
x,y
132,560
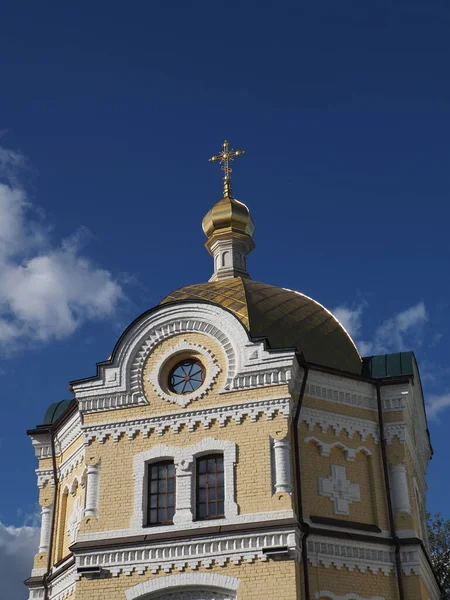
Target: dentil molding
x,y
175,421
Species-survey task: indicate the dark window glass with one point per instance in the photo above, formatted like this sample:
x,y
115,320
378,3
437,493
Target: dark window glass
x,y
161,493
210,487
186,377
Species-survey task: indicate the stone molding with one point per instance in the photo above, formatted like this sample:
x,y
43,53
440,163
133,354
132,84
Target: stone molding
x,y
350,596
171,582
325,448
329,552
191,554
44,476
339,423
119,382
206,416
212,370
241,519
184,459
363,556
59,589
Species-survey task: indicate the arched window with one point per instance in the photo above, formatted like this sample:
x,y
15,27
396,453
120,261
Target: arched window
x,y
161,493
210,487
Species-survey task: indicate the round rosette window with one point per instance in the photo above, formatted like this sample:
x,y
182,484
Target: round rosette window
x,y
186,376
186,372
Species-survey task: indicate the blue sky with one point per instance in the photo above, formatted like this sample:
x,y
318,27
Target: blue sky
x,y
108,114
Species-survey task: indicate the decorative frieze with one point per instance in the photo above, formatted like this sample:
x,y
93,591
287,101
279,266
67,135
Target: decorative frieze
x,y
174,421
193,554
325,448
363,556
44,476
338,395
339,423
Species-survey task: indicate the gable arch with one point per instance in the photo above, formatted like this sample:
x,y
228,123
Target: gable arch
x,y
122,375
162,587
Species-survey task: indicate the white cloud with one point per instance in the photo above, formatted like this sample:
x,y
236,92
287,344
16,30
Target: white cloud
x,y
401,332
18,545
47,290
435,403
350,318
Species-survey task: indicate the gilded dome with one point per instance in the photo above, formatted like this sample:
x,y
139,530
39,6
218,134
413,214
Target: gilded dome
x,y
286,318
228,213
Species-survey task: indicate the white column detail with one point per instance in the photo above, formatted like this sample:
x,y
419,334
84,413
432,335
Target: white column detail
x,y
339,489
92,490
183,492
283,477
46,519
399,488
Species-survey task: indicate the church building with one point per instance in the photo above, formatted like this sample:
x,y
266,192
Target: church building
x,y
235,446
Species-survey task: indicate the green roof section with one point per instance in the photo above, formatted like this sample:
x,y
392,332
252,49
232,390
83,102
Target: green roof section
x,y
54,411
388,365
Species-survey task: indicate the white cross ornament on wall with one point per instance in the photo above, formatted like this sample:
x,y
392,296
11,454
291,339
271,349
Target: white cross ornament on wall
x,y
339,489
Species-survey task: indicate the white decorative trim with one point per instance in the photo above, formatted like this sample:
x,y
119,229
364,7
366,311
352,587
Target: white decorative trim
x,y
399,488
200,580
44,476
206,417
339,489
351,596
120,382
241,519
71,463
92,490
398,429
190,554
341,390
46,518
184,459
338,423
350,453
212,370
64,585
364,556
283,469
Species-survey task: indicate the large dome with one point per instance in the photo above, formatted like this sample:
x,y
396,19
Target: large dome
x,y
286,318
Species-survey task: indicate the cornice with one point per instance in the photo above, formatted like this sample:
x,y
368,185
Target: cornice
x,y
339,423
190,419
192,554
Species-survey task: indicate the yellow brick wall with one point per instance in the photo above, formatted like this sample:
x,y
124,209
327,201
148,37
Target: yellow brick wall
x,y
272,580
253,472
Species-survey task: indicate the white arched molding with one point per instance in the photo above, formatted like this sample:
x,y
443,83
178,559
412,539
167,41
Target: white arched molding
x,y
119,382
203,581
212,370
326,448
282,465
46,519
399,488
326,595
184,459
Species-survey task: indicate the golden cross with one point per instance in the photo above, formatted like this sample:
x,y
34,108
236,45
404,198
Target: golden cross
x,y
225,157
